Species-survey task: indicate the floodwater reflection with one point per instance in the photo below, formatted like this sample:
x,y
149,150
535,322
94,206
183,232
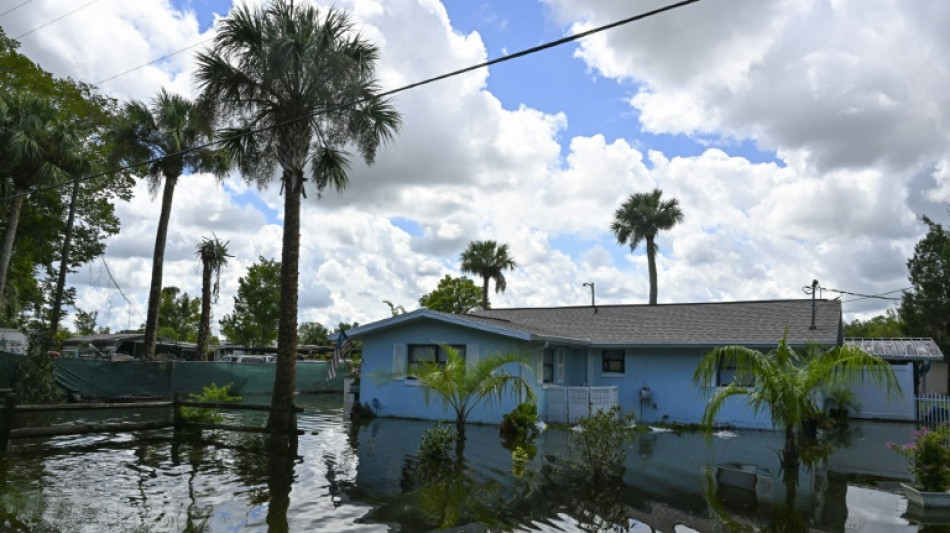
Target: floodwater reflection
x,y
367,477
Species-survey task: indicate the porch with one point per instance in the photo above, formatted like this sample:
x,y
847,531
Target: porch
x,y
567,405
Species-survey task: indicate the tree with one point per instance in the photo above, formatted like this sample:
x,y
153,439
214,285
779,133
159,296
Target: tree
x,y
787,383
85,322
169,135
313,334
298,88
488,260
883,326
453,295
254,322
925,309
462,385
214,256
640,218
30,139
178,315
396,310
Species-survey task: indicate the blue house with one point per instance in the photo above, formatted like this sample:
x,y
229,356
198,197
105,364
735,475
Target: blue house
x,y
640,357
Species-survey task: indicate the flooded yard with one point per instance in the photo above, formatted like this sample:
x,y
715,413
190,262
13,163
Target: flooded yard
x,y
365,477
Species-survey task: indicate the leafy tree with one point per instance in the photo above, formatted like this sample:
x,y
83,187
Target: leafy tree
x,y
640,218
787,383
214,256
462,385
314,334
168,135
453,295
299,89
880,327
925,309
488,260
85,322
256,313
178,315
396,310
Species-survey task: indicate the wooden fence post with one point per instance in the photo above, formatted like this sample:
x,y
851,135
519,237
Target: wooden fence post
x,y
6,421
176,413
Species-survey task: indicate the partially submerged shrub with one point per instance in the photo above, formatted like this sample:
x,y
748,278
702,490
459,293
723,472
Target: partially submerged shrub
x,y
521,424
600,444
929,458
211,393
437,443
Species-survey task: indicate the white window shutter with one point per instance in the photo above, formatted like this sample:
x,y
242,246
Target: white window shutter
x,y
560,365
539,367
400,357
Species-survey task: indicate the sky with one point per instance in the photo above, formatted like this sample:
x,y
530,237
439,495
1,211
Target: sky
x,y
803,139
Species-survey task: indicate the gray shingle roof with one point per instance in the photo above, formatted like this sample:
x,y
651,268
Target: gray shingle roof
x,y
749,323
900,349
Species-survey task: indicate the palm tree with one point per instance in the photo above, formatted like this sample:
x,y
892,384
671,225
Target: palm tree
x,y
488,260
787,384
462,385
169,135
213,255
299,89
31,146
640,218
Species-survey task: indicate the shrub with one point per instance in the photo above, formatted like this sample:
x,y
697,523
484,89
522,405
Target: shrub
x,y
211,393
437,443
36,371
521,424
600,445
929,458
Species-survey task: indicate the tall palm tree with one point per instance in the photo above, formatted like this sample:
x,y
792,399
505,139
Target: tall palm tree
x,y
488,260
169,135
787,384
32,143
640,218
213,255
298,87
462,385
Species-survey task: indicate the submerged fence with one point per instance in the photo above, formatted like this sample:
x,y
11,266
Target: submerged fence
x,y
933,409
570,404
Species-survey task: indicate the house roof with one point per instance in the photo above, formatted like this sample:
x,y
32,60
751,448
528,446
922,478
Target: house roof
x,y
748,323
900,349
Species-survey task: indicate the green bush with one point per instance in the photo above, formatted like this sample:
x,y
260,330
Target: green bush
x,y
36,371
521,424
211,393
599,446
437,443
929,458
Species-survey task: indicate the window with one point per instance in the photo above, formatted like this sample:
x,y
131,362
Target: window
x,y
726,375
548,372
432,352
613,361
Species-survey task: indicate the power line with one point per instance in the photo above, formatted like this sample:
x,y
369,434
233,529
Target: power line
x,y
114,282
61,17
152,62
14,8
384,94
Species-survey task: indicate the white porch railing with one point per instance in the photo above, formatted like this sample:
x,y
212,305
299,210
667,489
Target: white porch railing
x,y
570,404
933,409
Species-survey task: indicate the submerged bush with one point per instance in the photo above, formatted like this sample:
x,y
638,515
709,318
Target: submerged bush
x,y
521,424
437,443
600,444
211,393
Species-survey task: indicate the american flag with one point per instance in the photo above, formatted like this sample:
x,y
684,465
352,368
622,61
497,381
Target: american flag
x,y
340,352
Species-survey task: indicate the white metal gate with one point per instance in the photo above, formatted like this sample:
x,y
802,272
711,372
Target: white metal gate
x,y
933,409
570,404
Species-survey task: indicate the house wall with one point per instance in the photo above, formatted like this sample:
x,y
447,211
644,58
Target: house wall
x,y
673,395
398,396
935,379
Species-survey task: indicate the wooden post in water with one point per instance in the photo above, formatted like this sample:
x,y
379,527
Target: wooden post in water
x,y
6,421
176,413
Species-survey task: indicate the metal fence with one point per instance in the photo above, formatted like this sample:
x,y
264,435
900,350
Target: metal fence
x,y
570,404
933,409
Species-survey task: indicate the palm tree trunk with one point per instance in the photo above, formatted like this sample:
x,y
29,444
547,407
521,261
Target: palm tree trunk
x,y
6,251
651,264
64,261
460,437
282,401
204,327
158,262
484,292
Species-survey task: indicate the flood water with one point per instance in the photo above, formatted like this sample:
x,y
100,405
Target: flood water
x,y
365,477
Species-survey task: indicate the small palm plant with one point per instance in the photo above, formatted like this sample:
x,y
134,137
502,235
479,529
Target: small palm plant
x,y
463,385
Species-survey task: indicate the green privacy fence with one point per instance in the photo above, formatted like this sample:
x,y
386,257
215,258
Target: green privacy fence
x,y
106,379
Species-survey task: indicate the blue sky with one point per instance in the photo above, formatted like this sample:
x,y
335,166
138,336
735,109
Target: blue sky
x,y
803,141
